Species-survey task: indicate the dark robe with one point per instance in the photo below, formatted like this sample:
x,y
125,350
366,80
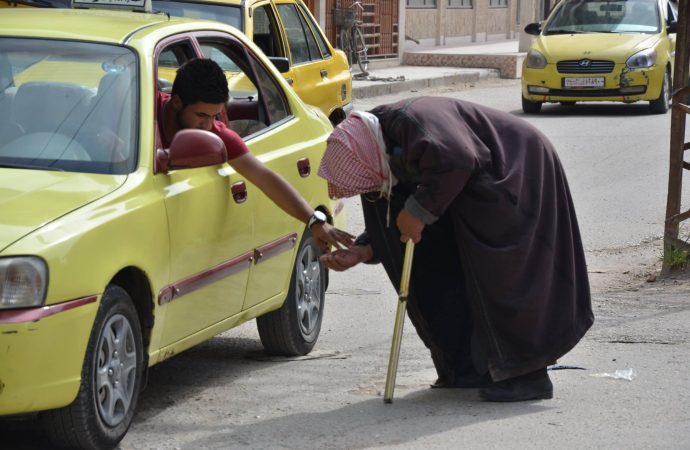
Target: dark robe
x,y
499,279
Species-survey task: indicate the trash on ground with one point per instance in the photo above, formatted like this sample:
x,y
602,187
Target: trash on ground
x,y
620,374
564,367
316,354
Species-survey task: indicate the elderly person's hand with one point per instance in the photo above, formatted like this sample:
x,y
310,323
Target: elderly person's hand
x,y
343,259
410,227
327,235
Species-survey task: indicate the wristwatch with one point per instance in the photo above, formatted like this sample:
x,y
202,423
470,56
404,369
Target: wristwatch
x,y
317,217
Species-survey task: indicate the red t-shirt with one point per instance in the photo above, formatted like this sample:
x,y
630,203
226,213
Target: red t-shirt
x,y
234,144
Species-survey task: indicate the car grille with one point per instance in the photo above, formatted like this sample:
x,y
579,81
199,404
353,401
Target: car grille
x,y
592,93
576,66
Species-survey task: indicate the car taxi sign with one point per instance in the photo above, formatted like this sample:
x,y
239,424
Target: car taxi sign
x,y
130,5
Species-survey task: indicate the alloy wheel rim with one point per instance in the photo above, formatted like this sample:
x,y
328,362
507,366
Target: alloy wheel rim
x,y
115,370
308,291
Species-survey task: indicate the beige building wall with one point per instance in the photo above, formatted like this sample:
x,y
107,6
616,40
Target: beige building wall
x,y
421,23
445,25
459,21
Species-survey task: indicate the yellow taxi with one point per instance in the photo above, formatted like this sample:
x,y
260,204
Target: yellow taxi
x,y
116,253
601,50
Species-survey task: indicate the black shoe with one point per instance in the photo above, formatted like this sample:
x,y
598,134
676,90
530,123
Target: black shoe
x,y
531,386
469,381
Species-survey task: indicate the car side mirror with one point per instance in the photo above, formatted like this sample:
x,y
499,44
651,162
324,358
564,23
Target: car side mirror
x,y
671,27
282,64
190,149
533,29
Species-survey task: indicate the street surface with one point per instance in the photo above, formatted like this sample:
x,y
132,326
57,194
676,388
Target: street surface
x,y
226,394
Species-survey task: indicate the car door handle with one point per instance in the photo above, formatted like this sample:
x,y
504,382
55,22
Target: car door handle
x,y
324,73
239,192
304,167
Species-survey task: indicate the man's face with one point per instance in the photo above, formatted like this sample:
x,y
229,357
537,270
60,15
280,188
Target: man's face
x,y
198,115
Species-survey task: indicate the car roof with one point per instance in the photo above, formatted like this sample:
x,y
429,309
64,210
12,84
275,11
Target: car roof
x,y
97,25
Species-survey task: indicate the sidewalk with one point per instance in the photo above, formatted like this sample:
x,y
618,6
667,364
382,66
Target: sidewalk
x,y
425,67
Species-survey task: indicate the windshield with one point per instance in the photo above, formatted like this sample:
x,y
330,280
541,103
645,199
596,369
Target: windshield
x,y
600,16
227,14
67,106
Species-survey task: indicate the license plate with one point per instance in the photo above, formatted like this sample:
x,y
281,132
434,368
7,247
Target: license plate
x,y
586,82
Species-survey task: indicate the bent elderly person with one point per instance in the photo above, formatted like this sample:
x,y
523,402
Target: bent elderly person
x,y
499,286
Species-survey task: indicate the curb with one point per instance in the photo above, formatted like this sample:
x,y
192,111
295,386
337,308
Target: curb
x,y
366,88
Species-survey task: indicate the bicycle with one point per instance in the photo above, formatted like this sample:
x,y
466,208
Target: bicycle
x,y
351,37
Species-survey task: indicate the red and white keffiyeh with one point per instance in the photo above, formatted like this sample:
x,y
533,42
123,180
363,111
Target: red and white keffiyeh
x,y
355,161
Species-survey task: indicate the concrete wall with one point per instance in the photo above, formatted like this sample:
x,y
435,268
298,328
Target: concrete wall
x,y
443,25
421,23
459,22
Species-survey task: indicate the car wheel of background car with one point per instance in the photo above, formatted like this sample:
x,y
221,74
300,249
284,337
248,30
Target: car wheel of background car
x,y
110,380
660,105
530,107
293,329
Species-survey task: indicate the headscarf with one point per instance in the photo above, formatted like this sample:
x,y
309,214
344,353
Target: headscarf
x,y
355,161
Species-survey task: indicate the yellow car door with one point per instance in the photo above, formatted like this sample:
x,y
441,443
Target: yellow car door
x,y
210,223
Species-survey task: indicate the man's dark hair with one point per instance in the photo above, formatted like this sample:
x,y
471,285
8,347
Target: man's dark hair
x,y
201,80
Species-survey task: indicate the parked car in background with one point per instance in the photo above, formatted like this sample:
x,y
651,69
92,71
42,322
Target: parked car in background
x,y
116,254
319,73
601,50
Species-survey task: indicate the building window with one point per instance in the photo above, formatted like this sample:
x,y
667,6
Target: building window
x,y
421,3
460,3
498,3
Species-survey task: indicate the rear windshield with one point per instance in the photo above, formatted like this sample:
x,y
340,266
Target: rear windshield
x,y
68,106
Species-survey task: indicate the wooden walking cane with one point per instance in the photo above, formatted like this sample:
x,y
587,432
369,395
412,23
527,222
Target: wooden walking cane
x,y
399,321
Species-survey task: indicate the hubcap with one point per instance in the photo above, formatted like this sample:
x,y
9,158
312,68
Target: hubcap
x,y
115,370
308,290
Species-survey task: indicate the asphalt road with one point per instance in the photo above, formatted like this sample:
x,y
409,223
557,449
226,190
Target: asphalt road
x,y
226,394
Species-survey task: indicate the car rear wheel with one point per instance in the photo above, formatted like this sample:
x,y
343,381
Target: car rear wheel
x,y
293,329
660,105
530,107
110,380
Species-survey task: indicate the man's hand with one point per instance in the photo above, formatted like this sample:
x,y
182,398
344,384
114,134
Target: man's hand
x,y
410,227
327,235
343,259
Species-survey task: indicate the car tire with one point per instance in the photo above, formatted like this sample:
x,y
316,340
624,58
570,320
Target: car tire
x,y
293,329
660,105
530,107
110,380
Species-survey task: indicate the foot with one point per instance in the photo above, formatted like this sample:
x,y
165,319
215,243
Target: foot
x,y
468,381
532,386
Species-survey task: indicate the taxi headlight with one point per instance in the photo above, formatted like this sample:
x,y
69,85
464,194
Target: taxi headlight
x,y
535,60
643,59
23,282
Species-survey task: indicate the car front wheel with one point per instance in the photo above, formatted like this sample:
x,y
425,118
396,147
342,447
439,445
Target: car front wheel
x,y
660,105
293,329
530,107
110,380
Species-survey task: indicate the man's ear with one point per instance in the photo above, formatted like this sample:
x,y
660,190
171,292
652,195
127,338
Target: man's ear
x,y
176,102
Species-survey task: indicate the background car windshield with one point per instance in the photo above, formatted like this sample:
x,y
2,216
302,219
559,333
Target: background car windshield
x,y
67,106
598,16
225,13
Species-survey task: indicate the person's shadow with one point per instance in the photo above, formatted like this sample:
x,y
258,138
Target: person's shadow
x,y
366,424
